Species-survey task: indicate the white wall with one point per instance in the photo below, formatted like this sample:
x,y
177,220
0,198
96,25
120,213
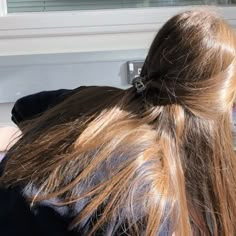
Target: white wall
x,y
23,75
5,114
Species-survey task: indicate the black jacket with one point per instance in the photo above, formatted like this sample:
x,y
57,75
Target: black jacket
x,y
31,106
16,217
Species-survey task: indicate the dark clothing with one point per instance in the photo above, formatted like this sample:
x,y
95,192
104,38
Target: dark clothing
x,y
31,106
16,217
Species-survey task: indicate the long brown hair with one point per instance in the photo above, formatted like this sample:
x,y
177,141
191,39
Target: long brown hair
x,y
140,164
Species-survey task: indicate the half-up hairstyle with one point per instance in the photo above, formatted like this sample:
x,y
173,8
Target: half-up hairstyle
x,y
143,164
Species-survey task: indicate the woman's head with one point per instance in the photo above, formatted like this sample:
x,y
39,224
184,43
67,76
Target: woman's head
x,y
192,63
143,163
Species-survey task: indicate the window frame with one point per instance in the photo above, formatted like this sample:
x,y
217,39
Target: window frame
x,y
3,7
86,30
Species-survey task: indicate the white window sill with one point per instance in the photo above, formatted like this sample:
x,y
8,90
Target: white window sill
x,y
86,31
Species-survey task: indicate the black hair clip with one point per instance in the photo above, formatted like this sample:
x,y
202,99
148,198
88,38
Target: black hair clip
x,y
138,83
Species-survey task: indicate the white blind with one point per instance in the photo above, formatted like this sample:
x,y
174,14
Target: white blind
x,y
70,5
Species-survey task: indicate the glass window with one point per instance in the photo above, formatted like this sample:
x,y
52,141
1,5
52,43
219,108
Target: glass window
x,y
70,5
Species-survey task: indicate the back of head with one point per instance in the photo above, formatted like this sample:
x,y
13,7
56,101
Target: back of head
x,y
192,54
142,164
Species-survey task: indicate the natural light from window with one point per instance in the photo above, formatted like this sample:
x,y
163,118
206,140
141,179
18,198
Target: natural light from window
x,y
15,6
